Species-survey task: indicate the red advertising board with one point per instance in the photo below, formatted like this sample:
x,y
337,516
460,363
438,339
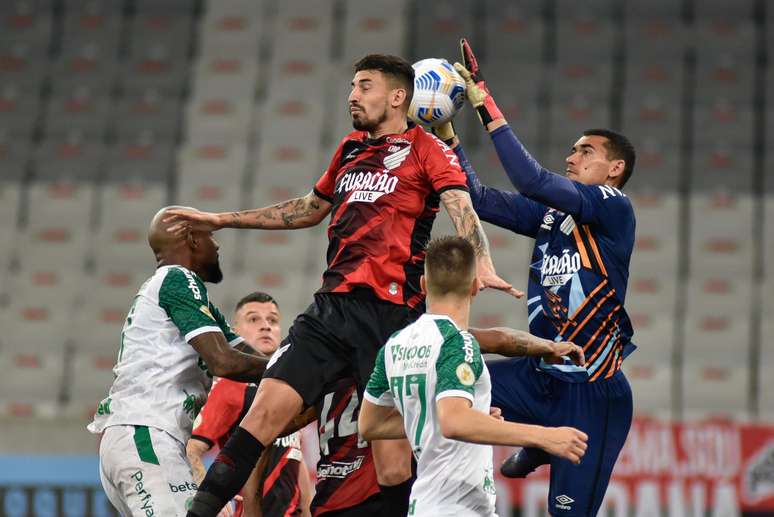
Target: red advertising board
x,y
720,467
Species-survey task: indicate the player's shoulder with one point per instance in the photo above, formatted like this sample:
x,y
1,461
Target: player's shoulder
x,y
180,280
607,195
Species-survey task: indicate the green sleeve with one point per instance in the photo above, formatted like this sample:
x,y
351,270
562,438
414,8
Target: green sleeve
x,y
378,388
459,363
232,337
184,298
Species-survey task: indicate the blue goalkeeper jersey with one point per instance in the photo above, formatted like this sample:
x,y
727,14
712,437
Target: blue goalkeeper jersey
x,y
584,236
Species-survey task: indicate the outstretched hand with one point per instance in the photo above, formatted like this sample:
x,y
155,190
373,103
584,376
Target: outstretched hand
x,y
490,280
475,87
565,348
183,221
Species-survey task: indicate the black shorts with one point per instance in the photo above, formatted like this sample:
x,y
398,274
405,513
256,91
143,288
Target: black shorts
x,y
371,507
337,336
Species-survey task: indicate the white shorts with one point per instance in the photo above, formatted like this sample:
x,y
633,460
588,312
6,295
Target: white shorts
x,y
145,472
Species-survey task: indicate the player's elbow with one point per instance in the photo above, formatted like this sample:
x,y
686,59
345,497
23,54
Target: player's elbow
x,y
450,426
365,424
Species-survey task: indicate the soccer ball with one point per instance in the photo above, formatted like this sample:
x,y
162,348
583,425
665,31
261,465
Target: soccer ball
x,y
439,92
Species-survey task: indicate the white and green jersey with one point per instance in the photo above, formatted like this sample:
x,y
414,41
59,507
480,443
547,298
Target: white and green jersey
x,y
425,362
160,380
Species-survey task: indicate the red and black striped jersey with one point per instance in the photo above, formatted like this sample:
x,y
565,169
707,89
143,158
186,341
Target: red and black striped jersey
x,y
385,195
227,403
345,473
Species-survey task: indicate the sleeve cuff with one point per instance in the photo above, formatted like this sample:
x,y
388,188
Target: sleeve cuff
x,y
453,187
319,194
454,393
384,400
201,330
203,439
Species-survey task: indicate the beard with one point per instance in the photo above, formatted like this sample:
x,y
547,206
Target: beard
x,y
362,123
213,272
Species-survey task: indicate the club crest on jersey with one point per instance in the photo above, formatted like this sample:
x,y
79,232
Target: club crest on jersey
x,y
397,156
557,270
366,186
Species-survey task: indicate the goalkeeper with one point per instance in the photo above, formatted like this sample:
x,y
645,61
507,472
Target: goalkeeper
x,y
583,226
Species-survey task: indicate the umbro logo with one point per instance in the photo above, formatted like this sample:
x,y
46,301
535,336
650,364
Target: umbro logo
x,y
564,501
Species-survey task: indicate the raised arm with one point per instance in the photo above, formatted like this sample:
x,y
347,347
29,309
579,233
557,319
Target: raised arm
x,y
515,343
525,173
460,208
300,212
224,361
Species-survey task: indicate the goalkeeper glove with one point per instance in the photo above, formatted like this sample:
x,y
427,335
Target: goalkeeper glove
x,y
445,132
476,90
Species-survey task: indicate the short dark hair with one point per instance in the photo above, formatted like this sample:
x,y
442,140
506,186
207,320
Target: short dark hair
x,y
397,68
255,297
450,266
618,148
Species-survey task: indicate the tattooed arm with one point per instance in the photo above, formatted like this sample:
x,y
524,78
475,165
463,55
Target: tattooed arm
x,y
460,208
300,212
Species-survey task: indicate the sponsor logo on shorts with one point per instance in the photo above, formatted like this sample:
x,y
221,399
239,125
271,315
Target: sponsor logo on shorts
x,y
183,487
339,469
563,502
146,498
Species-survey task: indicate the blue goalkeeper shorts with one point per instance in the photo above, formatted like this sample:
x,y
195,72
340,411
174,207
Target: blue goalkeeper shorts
x,y
601,409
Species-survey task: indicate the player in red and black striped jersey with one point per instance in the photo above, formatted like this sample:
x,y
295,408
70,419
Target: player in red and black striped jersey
x,y
382,188
346,478
286,485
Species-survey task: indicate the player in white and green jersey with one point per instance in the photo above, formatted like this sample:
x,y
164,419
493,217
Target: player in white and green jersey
x,y
432,372
173,341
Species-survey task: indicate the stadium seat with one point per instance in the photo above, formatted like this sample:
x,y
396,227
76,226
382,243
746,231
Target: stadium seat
x,y
724,34
235,78
589,79
651,117
81,29
719,338
766,358
658,9
264,250
110,286
513,32
148,112
14,158
299,77
204,163
97,329
720,294
587,35
168,30
570,116
19,109
716,390
51,203
155,69
722,121
651,293
230,34
88,65
40,328
304,34
374,27
768,235
80,111
285,118
658,79
651,383
656,38
218,118
121,202
280,164
29,380
10,202
721,233
176,8
724,75
23,64
720,166
439,27
30,286
91,377
124,246
63,244
143,158
68,157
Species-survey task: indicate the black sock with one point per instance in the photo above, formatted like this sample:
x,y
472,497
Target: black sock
x,y
227,475
395,498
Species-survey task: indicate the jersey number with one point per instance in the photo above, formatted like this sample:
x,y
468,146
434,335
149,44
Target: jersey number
x,y
401,386
347,424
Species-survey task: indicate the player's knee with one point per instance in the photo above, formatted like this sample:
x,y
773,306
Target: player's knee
x,y
390,475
